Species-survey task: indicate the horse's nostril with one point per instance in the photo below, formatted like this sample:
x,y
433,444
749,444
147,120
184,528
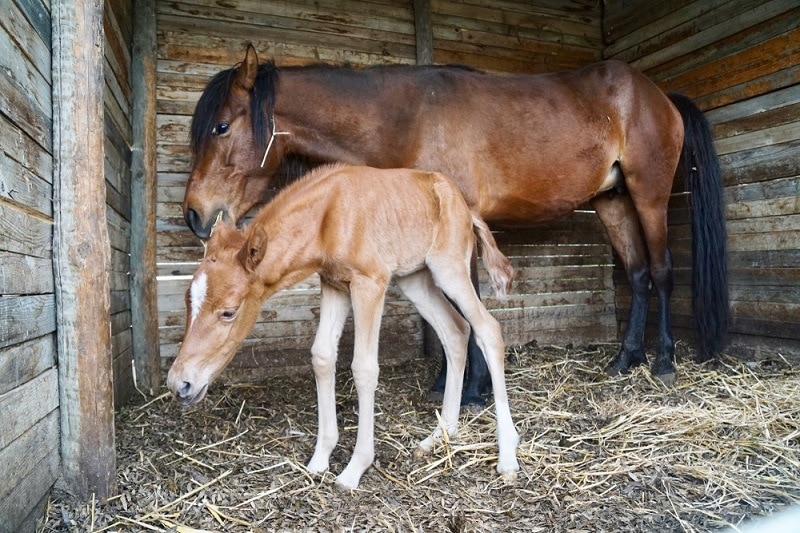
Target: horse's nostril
x,y
193,220
183,392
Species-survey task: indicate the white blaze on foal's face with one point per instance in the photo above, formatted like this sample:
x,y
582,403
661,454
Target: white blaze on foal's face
x,y
197,295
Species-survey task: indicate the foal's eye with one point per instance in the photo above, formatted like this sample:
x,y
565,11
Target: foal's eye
x,y
220,129
228,314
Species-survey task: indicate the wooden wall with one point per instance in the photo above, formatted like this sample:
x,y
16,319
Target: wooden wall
x,y
741,62
29,386
564,292
117,22
29,444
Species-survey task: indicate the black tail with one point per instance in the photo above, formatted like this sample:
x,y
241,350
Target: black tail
x,y
709,260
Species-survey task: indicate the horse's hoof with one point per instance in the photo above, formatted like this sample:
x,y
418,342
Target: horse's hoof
x,y
667,379
623,362
473,401
435,396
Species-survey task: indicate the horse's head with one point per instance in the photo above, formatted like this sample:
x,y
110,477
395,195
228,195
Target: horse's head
x,y
222,304
231,127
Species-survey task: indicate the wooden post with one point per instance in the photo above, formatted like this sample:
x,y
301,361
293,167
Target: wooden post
x,y
144,304
81,250
423,31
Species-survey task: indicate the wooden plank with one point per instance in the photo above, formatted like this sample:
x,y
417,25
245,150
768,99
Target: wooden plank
x,y
746,16
423,32
144,302
215,22
761,164
21,186
28,34
23,454
737,42
81,250
394,17
22,362
659,31
23,318
23,274
24,231
24,150
624,18
756,62
750,108
18,510
27,404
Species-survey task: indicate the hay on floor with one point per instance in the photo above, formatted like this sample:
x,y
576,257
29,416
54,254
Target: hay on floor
x,y
597,454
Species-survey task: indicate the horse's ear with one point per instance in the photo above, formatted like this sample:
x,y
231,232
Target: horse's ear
x,y
255,246
246,74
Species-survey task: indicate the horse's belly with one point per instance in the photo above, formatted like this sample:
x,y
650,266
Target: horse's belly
x,y
515,211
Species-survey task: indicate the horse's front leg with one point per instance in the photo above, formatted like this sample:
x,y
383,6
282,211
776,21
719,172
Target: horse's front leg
x,y
367,296
334,308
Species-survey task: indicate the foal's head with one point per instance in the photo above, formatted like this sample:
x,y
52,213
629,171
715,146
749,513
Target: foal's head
x,y
222,304
231,127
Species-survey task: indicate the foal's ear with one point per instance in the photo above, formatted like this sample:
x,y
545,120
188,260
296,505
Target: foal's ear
x,y
254,249
246,74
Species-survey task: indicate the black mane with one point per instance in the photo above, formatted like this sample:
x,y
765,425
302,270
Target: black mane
x,y
215,95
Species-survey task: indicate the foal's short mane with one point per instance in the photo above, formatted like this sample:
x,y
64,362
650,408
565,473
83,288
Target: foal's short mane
x,y
262,103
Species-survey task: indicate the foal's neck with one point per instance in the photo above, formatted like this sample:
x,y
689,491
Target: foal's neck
x,y
292,225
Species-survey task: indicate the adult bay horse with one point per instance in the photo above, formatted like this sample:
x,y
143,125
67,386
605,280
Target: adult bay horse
x,y
522,149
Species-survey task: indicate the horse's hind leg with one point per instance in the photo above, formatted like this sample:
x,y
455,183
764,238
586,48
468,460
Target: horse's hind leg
x,y
478,382
637,226
453,332
621,221
453,278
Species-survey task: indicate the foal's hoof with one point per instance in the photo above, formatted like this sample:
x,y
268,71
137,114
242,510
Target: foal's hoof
x,y
509,477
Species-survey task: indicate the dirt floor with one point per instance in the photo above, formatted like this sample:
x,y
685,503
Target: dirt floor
x,y
597,454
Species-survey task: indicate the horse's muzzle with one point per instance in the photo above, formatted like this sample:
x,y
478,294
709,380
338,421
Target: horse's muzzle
x,y
202,228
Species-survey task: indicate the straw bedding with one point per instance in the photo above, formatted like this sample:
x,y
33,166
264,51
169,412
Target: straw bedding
x,y
597,454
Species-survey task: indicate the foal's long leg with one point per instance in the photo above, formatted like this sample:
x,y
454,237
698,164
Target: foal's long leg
x,y
367,296
453,278
453,331
333,310
478,381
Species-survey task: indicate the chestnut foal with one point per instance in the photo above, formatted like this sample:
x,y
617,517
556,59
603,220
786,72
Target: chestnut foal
x,y
358,228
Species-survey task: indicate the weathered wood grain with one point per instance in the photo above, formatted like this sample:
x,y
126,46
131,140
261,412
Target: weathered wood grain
x,y
144,303
22,362
23,318
81,250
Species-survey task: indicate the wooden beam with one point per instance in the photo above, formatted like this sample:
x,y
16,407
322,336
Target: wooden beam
x,y
81,250
423,31
144,303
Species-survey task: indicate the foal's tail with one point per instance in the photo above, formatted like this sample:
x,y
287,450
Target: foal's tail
x,y
501,273
709,267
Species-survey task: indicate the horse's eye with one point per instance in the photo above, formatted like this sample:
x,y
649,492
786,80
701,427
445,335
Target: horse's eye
x,y
228,314
220,129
